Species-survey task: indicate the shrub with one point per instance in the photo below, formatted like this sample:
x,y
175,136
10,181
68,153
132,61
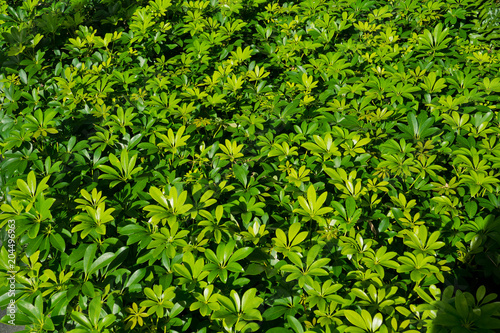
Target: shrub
x,y
244,165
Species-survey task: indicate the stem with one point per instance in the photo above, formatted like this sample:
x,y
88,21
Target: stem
x,y
220,126
414,182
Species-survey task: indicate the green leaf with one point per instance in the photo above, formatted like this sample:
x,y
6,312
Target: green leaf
x,y
88,289
295,324
480,293
108,320
30,310
377,322
249,302
241,174
254,269
295,259
102,261
95,307
424,295
58,242
355,319
240,254
461,305
312,254
81,319
135,277
89,257
274,312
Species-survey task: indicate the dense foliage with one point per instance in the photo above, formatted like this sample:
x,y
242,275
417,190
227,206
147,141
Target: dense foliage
x,y
245,165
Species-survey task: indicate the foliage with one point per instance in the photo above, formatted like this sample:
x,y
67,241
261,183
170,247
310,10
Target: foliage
x,y
245,165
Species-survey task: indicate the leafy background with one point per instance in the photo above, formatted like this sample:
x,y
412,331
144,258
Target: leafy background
x,y
239,166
